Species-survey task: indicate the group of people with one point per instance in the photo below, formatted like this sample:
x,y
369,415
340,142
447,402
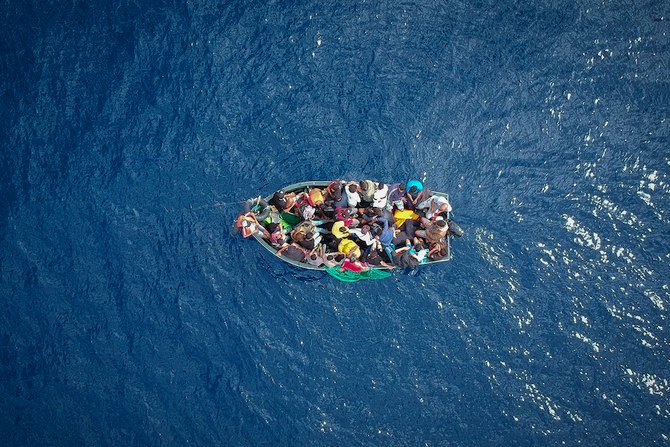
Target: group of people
x,y
354,224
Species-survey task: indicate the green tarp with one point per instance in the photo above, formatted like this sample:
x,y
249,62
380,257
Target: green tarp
x,y
289,220
349,276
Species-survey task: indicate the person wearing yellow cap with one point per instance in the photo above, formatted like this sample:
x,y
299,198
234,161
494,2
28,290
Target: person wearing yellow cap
x,y
349,247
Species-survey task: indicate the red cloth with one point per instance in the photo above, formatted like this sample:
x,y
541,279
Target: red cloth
x,y
343,215
354,267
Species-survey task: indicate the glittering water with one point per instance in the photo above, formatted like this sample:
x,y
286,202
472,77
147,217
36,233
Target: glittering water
x,y
133,317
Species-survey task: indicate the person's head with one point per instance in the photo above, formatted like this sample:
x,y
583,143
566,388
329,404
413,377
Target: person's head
x,y
352,188
365,229
441,223
376,229
353,257
248,227
401,187
338,257
313,256
344,229
444,207
380,185
363,185
272,227
413,190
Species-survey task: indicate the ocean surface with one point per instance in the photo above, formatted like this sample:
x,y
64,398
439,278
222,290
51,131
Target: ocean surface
x,y
132,316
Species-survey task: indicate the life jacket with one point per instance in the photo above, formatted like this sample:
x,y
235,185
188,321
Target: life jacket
x,y
347,246
247,224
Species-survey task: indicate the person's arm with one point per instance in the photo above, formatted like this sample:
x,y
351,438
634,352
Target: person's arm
x,y
386,222
435,249
388,266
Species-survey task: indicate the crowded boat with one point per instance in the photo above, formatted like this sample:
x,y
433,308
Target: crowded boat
x,y
353,228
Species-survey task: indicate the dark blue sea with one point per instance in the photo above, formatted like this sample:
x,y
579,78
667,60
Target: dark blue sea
x,y
133,316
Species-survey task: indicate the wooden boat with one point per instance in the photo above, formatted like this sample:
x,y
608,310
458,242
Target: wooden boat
x,y
302,186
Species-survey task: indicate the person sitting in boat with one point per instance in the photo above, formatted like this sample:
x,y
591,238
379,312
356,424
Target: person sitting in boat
x,y
412,196
414,183
438,250
374,256
335,196
402,257
434,206
363,234
316,256
418,250
307,240
366,216
293,251
432,231
396,197
345,215
386,214
353,197
387,233
277,234
282,201
380,197
349,247
333,233
353,264
333,259
402,235
250,226
305,235
315,197
367,190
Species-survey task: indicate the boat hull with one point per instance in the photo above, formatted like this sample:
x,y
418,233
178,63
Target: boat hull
x,y
299,187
